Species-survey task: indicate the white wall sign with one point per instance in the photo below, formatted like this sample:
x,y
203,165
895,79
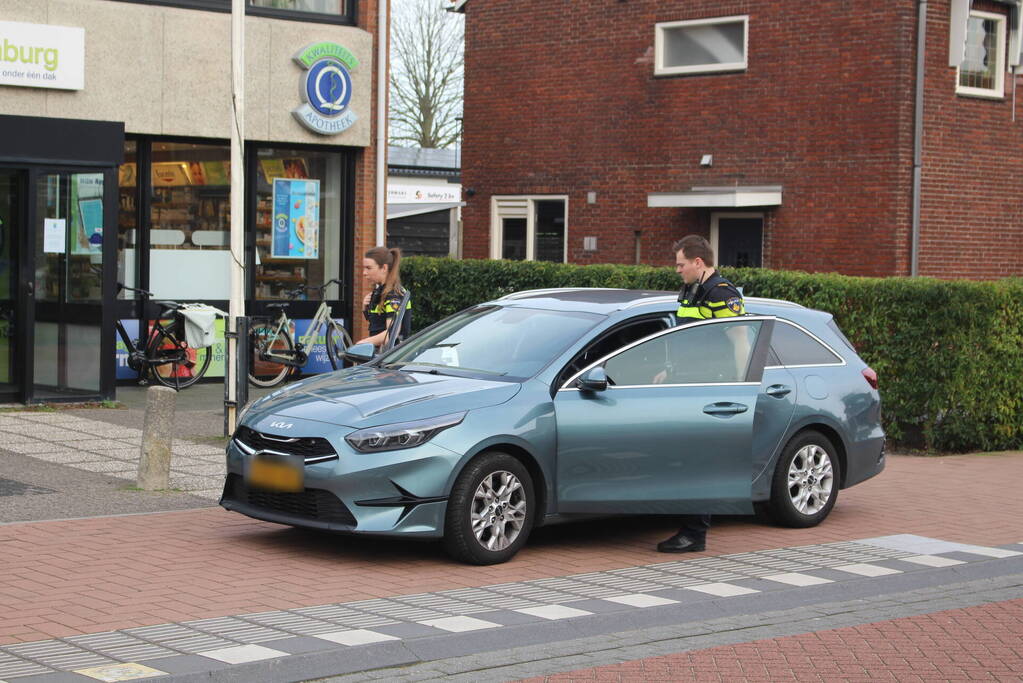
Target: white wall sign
x,y
42,56
408,194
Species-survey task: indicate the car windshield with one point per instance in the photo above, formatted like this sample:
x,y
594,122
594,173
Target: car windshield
x,y
493,341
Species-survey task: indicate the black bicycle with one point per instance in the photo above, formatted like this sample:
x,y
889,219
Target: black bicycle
x,y
166,356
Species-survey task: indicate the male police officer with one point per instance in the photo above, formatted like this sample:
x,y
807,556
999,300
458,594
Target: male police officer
x,y
705,294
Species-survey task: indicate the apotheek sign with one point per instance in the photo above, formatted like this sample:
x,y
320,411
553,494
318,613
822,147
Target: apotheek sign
x,y
42,56
326,87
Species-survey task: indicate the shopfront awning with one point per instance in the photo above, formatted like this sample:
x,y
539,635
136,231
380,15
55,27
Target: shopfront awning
x,y
730,196
415,209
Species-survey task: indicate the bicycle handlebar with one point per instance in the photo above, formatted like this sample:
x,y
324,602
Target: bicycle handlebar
x,y
300,290
121,285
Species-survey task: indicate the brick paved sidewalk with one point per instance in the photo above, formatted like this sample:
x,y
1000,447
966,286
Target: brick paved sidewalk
x,y
70,577
977,643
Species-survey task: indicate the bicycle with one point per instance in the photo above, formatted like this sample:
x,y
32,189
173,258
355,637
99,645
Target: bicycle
x,y
166,357
274,354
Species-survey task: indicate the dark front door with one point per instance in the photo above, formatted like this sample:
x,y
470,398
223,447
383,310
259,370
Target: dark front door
x,y
66,238
12,193
740,241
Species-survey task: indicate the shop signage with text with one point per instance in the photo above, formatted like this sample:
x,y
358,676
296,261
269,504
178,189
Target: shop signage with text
x,y
408,194
42,56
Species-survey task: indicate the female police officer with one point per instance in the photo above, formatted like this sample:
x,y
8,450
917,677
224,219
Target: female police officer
x,y
381,268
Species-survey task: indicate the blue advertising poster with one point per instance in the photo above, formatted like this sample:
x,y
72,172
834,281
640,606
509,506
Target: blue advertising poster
x,y
296,232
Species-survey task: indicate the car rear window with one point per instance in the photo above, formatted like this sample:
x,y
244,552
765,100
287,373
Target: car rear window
x,y
833,326
795,347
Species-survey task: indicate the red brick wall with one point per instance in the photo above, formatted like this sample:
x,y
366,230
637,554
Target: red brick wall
x,y
972,208
561,98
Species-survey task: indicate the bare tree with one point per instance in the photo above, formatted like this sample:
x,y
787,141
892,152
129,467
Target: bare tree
x,y
427,45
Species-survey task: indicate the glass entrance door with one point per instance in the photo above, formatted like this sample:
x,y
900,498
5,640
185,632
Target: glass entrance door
x,y
68,285
11,196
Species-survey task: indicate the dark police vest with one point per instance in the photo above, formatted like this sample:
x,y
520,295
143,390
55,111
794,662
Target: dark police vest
x,y
714,298
382,308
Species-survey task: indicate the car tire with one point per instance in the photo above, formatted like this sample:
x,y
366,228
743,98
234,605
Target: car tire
x,y
806,480
484,523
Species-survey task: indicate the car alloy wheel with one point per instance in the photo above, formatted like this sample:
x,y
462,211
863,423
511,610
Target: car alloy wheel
x,y
806,481
490,510
811,478
498,510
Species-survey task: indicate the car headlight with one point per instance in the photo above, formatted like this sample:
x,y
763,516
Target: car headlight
x,y
401,435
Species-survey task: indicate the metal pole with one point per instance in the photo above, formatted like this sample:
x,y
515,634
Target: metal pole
x,y
382,81
237,304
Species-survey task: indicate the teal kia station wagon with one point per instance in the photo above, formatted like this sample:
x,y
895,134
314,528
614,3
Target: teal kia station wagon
x,y
549,405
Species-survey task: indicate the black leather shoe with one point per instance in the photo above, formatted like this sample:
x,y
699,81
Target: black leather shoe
x,y
680,543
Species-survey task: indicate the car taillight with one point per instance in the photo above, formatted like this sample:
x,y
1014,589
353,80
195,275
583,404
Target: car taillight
x,y
870,376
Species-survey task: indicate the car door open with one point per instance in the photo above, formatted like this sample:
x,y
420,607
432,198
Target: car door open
x,y
672,432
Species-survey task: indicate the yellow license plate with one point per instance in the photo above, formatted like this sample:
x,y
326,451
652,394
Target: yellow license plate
x,y
276,475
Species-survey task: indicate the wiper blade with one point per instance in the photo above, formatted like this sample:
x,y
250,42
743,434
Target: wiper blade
x,y
401,364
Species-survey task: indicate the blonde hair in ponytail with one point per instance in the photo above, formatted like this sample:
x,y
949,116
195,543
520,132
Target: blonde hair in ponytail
x,y
392,259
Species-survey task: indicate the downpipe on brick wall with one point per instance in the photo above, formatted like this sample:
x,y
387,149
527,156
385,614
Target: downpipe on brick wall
x,y
918,135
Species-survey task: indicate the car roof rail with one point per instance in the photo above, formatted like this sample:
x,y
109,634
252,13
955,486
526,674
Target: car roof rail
x,y
772,302
550,290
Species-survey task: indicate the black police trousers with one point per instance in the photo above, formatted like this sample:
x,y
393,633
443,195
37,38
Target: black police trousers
x,y
694,527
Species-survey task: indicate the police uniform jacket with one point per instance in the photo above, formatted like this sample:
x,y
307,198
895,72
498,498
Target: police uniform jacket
x,y
715,297
383,307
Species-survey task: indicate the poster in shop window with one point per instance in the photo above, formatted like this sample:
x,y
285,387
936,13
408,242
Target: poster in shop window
x,y
296,232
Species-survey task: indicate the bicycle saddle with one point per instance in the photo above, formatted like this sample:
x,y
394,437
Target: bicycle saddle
x,y
170,305
283,304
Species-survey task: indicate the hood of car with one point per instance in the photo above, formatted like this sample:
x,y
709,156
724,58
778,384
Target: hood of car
x,y
362,397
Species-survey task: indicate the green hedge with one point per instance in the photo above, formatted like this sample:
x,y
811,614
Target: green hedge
x,y
947,353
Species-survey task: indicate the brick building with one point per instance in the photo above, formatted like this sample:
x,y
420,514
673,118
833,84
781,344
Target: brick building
x,y
786,132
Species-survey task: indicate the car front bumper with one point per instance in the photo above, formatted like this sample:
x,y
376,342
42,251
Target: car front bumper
x,y
398,493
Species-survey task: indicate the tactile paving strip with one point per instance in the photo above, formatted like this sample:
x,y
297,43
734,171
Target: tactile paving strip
x,y
58,654
11,666
120,646
237,629
179,637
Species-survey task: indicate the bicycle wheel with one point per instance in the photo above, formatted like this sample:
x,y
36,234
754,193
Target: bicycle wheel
x,y
172,362
268,372
338,341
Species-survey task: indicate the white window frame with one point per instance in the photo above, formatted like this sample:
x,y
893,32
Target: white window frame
x,y
659,45
998,92
717,215
497,226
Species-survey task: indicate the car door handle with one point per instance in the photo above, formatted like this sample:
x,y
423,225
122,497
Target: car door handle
x,y
778,390
725,408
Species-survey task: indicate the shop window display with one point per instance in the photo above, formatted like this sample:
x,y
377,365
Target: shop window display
x,y
298,210
190,218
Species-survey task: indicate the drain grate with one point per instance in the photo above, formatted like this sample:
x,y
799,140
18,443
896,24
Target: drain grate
x,y
10,487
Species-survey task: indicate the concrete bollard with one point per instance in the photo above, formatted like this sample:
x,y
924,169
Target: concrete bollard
x,y
155,457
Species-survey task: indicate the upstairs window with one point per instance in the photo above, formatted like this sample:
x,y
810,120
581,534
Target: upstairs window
x,y
982,72
701,46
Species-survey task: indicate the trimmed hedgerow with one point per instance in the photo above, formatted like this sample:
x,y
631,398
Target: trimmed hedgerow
x,y
949,354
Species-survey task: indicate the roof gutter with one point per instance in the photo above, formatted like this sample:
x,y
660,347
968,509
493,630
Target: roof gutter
x,y
918,136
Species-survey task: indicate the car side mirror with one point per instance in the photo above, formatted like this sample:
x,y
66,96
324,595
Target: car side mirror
x,y
594,379
360,353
